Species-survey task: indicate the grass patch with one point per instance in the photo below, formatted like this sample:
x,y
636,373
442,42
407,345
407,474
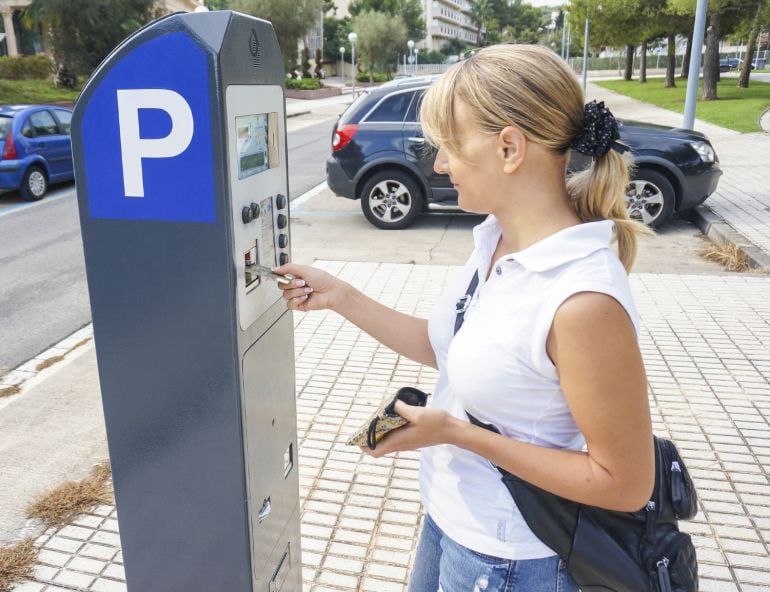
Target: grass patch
x,y
20,92
7,391
728,256
737,109
64,503
16,563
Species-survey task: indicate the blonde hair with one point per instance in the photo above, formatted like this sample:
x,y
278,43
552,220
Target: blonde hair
x,y
529,87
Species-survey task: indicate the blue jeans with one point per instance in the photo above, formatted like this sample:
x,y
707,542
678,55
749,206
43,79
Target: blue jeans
x,y
442,565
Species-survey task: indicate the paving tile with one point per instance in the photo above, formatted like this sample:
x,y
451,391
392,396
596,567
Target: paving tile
x,y
709,372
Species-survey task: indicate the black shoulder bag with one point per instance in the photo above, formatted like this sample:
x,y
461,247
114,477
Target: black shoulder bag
x,y
604,550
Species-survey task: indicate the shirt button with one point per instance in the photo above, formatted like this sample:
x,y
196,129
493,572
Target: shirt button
x,y
498,270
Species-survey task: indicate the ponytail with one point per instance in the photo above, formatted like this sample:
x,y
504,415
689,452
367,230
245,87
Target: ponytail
x,y
598,193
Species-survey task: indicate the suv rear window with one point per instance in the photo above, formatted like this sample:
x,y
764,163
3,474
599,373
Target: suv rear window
x,y
392,109
5,126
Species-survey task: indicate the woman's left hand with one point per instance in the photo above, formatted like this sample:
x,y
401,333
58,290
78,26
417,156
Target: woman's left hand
x,y
426,427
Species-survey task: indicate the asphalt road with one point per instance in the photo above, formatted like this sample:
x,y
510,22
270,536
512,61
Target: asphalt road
x,y
43,292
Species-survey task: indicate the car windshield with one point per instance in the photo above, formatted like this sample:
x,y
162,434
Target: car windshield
x,y
5,126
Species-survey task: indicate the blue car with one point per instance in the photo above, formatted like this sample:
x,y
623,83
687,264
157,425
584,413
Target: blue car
x,y
35,148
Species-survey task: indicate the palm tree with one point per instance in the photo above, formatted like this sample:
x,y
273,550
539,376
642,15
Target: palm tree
x,y
481,12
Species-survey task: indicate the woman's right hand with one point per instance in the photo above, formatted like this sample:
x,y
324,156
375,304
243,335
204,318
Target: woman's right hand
x,y
311,288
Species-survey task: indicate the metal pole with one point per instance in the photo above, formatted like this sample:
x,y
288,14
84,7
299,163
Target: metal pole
x,y
695,57
569,40
353,64
563,33
585,58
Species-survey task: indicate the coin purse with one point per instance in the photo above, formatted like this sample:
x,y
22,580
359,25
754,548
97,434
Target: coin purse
x,y
386,419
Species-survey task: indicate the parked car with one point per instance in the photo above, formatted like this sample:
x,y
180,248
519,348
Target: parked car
x,y
379,155
35,148
727,64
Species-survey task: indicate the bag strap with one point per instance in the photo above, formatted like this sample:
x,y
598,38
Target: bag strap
x,y
460,307
464,302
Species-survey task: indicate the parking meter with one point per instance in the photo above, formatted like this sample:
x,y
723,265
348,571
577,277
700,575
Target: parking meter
x,y
179,143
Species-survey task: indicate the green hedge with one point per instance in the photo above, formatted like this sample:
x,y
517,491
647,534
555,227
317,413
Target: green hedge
x,y
25,68
303,83
377,77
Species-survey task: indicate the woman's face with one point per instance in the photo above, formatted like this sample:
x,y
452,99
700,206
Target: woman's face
x,y
475,172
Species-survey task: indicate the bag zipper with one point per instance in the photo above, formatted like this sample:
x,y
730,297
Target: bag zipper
x,y
664,581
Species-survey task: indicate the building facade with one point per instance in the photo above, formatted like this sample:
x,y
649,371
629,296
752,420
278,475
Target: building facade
x,y
448,19
16,39
444,20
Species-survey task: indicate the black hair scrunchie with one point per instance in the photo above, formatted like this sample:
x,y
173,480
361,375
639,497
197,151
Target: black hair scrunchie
x,y
600,132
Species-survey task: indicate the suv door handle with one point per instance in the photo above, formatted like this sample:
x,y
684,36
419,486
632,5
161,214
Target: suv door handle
x,y
416,139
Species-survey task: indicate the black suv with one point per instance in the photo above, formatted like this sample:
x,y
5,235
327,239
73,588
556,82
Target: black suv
x,y
379,155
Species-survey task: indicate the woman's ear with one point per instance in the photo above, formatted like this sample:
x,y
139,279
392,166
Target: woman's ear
x,y
512,147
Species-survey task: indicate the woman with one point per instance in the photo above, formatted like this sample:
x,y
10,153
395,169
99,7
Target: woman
x,y
548,350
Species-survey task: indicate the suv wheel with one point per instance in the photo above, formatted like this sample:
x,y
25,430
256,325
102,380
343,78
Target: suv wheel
x,y
391,200
34,185
650,198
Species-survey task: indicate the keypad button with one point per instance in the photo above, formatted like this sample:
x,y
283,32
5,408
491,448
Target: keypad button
x,y
282,221
283,241
280,201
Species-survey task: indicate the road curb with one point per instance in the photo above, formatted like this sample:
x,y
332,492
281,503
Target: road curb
x,y
298,113
720,232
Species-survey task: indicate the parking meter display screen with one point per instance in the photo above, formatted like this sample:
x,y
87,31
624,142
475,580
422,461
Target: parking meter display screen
x,y
267,234
253,144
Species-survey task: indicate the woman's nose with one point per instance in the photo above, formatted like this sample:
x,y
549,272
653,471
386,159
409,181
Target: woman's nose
x,y
441,163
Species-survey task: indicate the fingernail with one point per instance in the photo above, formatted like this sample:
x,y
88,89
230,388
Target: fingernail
x,y
308,290
299,283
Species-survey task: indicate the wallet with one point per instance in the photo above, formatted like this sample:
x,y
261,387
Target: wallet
x,y
386,419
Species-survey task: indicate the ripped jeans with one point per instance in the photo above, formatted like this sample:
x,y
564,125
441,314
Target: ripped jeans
x,y
442,565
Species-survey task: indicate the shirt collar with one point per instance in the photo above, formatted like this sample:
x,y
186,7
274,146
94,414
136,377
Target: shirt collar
x,y
569,244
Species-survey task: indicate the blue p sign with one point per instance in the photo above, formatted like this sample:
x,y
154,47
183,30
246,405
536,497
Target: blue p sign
x,y
147,136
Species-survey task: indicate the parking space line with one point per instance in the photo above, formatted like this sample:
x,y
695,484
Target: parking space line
x,y
23,206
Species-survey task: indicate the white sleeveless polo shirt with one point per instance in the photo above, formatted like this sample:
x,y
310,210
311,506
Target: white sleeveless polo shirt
x,y
497,368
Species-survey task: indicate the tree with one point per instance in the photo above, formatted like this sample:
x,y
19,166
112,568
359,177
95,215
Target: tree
x,y
292,20
336,33
455,46
83,32
724,16
762,15
481,12
410,12
216,4
380,39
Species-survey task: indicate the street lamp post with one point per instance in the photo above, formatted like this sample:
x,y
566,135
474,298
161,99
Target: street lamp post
x,y
585,57
691,97
416,52
410,45
342,63
352,38
564,21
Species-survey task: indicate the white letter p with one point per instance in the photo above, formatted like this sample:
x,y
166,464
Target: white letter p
x,y
133,148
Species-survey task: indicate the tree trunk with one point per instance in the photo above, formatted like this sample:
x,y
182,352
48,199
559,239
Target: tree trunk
x,y
687,53
671,61
643,64
711,61
478,36
629,62
743,79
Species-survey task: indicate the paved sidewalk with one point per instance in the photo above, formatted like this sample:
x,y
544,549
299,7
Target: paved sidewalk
x,y
742,199
706,342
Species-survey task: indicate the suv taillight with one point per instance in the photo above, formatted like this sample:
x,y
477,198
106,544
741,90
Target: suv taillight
x,y
343,135
9,150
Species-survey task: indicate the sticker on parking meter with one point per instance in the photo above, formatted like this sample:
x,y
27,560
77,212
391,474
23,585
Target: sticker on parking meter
x,y
147,136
